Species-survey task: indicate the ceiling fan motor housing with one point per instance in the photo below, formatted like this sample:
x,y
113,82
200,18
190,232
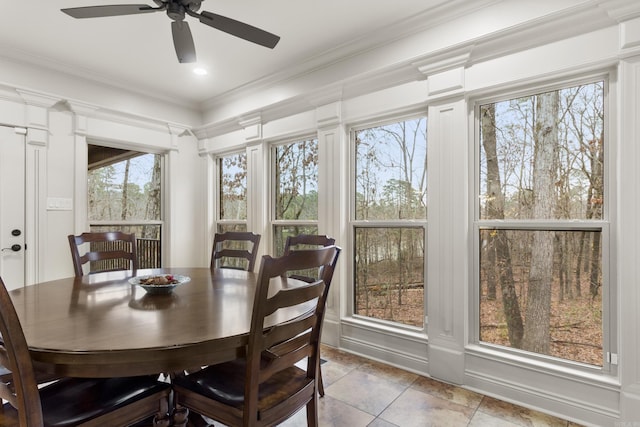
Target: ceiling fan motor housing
x,y
176,8
175,11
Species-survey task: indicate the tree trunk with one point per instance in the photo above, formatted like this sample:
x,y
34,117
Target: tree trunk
x,y
401,264
538,311
125,190
154,200
489,267
597,204
581,239
561,277
502,268
494,203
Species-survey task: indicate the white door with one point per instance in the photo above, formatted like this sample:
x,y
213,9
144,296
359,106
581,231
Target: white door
x,y
12,207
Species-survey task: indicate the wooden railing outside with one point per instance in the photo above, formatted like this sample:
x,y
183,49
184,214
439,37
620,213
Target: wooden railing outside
x,y
149,252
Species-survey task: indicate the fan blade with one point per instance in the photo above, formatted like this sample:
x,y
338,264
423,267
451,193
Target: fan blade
x,y
109,10
240,29
183,42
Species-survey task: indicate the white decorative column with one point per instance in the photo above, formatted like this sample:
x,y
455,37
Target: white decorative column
x,y
628,230
171,187
81,113
209,197
37,123
332,194
448,222
257,182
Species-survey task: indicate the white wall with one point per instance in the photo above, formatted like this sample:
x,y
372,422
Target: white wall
x,y
58,131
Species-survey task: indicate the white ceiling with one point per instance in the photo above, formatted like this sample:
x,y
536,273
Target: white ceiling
x,y
136,51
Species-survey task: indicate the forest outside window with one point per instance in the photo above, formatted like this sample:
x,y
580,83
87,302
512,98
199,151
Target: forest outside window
x,y
232,192
389,223
295,177
125,193
542,230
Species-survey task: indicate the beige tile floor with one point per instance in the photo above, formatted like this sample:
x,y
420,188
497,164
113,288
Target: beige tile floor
x,y
363,393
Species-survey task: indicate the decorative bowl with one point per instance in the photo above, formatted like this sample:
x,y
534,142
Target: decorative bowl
x,y
159,284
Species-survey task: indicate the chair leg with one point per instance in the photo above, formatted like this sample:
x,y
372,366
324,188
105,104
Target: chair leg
x,y
180,416
320,384
161,422
312,412
162,418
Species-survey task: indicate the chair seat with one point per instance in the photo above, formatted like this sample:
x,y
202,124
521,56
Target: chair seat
x,y
73,401
225,383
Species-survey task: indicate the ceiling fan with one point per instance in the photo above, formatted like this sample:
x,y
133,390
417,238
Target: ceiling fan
x,y
176,10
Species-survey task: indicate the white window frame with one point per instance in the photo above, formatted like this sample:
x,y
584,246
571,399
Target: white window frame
x,y
272,176
120,223
217,158
353,224
606,225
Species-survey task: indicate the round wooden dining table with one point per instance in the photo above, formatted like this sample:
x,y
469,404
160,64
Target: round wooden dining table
x,y
103,326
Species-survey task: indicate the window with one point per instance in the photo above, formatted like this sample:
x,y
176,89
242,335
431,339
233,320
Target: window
x,y
232,212
390,183
295,191
542,230
125,193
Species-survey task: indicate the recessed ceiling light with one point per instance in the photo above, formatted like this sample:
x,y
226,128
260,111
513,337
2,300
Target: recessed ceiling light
x,y
200,71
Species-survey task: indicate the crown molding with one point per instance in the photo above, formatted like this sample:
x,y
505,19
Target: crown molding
x,y
621,10
444,12
573,21
90,76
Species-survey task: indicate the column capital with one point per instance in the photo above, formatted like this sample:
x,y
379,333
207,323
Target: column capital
x,y
252,127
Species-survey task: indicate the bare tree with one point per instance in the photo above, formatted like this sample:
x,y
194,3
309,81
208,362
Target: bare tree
x,y
498,244
296,171
125,189
538,311
152,210
233,186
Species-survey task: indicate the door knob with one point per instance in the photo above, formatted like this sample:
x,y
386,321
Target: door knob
x,y
14,248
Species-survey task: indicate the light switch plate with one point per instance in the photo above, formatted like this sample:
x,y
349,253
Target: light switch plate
x,y
59,204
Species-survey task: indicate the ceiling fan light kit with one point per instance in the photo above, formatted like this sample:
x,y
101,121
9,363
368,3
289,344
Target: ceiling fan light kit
x,y
176,11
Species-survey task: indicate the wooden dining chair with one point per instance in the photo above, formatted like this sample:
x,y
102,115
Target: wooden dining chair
x,y
235,249
108,251
267,386
70,401
306,241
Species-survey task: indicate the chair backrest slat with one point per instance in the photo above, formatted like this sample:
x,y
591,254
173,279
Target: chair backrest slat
x,y
291,297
